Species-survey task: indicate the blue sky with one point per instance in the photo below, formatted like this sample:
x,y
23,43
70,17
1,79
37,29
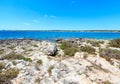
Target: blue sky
x,y
60,14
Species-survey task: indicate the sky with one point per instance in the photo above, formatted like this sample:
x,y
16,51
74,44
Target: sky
x,y
60,14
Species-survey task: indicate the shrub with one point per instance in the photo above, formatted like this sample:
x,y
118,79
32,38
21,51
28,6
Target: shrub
x,y
37,80
96,44
35,45
102,42
70,51
66,45
88,49
39,61
12,56
30,50
115,43
23,48
106,82
1,65
69,48
14,62
27,59
8,75
50,68
1,51
110,53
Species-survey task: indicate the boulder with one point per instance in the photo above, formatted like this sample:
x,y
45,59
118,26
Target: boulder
x,y
49,49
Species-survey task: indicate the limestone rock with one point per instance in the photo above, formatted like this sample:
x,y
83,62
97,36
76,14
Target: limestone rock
x,y
49,49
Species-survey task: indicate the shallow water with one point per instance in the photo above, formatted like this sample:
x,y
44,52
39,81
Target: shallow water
x,y
51,35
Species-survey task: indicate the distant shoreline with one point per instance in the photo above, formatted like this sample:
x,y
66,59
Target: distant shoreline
x,y
69,30
55,34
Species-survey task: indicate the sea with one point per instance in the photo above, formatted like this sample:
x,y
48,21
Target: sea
x,y
53,35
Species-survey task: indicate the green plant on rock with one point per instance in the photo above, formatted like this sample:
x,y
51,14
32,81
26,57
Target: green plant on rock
x,y
37,80
30,50
23,48
35,45
14,62
39,61
50,68
27,59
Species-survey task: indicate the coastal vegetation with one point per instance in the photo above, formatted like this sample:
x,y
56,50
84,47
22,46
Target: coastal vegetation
x,y
39,61
1,66
9,74
110,53
1,51
115,43
88,49
69,48
68,59
13,56
50,68
94,43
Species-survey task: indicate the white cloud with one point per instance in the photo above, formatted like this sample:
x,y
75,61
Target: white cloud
x,y
49,16
26,23
35,21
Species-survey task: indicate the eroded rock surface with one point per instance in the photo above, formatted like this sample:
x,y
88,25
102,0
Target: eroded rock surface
x,y
44,63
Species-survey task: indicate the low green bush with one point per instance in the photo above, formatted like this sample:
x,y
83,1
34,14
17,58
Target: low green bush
x,y
102,42
50,68
96,44
39,61
12,56
66,45
110,53
35,45
27,59
8,75
1,65
88,49
1,51
69,48
115,43
70,51
14,62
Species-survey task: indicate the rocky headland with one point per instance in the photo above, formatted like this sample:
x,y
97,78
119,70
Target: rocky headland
x,y
65,61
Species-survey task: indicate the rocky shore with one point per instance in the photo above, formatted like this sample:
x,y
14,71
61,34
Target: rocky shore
x,y
66,61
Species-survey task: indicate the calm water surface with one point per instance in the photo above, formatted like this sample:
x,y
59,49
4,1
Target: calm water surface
x,y
51,35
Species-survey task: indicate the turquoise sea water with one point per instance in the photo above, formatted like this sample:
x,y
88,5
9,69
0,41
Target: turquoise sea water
x,y
51,35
